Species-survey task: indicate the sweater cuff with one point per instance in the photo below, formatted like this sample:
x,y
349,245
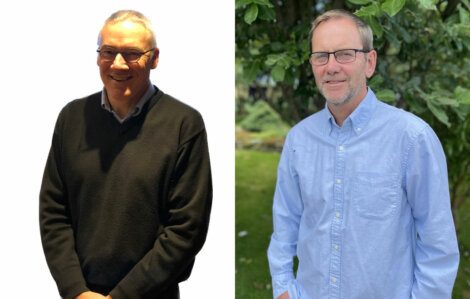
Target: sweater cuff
x,y
71,284
119,293
73,291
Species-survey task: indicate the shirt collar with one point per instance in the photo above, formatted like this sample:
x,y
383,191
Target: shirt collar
x,y
137,108
358,118
363,113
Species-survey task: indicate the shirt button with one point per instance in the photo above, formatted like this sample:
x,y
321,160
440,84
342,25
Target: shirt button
x,y
358,129
336,247
341,148
338,181
333,279
337,215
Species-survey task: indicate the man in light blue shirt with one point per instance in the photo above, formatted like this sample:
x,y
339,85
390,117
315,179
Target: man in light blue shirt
x,y
362,196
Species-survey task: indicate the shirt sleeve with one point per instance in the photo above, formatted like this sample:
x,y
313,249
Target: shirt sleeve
x,y
287,210
436,248
183,235
55,224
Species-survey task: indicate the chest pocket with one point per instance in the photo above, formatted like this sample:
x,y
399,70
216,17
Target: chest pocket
x,y
375,195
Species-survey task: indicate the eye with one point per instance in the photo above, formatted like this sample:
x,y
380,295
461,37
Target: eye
x,y
345,54
132,55
107,53
320,57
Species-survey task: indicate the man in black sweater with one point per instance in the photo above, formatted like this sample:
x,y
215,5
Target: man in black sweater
x,y
126,193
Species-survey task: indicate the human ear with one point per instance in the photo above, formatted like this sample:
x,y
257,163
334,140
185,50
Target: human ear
x,y
155,55
371,63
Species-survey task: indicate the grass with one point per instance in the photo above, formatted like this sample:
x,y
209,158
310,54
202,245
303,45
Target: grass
x,y
255,181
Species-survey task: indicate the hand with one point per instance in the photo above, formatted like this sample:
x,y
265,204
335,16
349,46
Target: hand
x,y
284,295
90,295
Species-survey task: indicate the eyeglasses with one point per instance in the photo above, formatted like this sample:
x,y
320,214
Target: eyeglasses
x,y
341,56
130,56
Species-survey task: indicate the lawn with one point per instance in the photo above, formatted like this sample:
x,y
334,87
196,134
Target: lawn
x,y
255,180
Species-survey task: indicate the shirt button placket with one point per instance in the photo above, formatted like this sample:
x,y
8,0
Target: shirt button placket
x,y
338,198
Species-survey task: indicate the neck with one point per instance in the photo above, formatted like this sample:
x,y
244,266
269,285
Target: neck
x,y
123,104
342,111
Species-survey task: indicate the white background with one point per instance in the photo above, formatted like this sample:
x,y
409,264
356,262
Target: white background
x,y
48,58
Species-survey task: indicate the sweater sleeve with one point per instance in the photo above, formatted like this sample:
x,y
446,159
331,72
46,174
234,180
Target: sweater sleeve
x,y
183,234
55,224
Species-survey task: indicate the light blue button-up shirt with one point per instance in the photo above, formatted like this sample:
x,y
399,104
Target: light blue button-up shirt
x,y
365,208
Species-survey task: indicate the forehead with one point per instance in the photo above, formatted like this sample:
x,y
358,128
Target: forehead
x,y
126,34
335,34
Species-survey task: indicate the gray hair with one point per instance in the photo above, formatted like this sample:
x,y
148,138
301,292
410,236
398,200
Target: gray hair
x,y
133,16
365,32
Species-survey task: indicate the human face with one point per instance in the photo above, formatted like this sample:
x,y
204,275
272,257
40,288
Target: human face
x,y
341,83
127,80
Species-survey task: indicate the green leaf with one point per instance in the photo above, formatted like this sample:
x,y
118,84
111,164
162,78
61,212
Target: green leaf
x,y
251,13
376,81
276,46
278,73
266,13
438,113
372,10
464,16
281,59
241,3
395,43
392,7
376,26
386,95
263,3
250,73
360,2
416,107
462,95
406,36
273,59
428,4
445,101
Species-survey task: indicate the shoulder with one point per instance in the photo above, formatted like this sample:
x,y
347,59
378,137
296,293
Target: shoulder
x,y
175,114
73,111
72,107
399,120
176,109
309,127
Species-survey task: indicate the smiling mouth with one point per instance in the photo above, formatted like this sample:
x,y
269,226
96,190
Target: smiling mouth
x,y
334,81
120,78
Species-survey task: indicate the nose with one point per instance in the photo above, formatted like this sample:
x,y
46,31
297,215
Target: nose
x,y
332,66
119,62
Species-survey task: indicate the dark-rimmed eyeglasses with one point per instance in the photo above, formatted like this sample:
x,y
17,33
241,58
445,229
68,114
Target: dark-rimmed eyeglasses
x,y
341,56
130,56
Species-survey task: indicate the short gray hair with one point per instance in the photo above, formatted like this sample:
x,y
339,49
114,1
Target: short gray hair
x,y
365,32
133,16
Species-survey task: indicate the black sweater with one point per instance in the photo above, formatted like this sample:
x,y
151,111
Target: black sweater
x,y
124,208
